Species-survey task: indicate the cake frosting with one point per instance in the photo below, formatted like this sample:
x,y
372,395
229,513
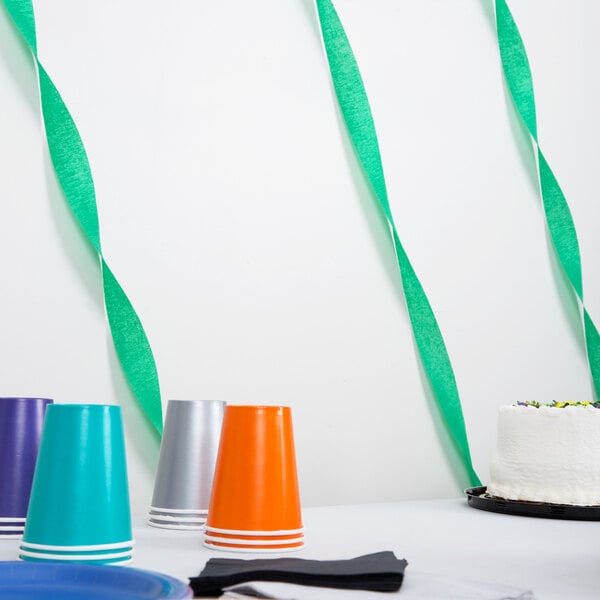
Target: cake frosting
x,y
547,453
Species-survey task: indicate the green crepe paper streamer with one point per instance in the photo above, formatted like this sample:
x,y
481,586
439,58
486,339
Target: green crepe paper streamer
x,y
73,172
558,215
356,111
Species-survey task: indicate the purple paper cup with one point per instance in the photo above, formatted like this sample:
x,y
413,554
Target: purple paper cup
x,y
21,421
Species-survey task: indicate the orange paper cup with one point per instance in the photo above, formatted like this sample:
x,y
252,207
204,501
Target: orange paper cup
x,y
255,487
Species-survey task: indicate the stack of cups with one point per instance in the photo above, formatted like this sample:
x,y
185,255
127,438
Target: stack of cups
x,y
255,501
79,506
186,464
21,421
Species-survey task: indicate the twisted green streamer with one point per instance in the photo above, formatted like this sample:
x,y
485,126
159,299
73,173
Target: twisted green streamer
x,y
356,111
557,213
75,177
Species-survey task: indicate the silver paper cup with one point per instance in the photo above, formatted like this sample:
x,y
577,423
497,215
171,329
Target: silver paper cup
x,y
186,464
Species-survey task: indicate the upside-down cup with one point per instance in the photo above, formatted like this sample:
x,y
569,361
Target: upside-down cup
x,y
255,500
79,505
186,464
21,421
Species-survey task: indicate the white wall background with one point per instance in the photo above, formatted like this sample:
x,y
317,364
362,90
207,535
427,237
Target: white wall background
x,y
233,213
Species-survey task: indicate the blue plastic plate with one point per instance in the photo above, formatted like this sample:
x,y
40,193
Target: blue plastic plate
x,y
70,581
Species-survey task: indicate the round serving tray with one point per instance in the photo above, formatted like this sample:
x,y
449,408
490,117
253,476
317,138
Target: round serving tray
x,y
477,498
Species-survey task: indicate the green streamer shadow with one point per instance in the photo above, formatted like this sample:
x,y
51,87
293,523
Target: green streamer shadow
x,y
16,54
522,139
354,106
73,173
526,152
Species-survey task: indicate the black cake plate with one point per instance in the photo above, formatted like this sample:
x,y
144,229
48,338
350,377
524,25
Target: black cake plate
x,y
477,497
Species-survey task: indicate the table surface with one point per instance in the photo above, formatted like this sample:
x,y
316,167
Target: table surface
x,y
557,559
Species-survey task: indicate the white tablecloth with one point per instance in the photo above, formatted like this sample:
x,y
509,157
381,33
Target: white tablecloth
x,y
557,559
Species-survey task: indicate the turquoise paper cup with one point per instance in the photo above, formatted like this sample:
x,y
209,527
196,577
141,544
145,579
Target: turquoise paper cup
x,y
79,505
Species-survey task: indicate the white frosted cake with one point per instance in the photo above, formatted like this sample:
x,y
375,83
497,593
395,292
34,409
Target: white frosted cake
x,y
547,453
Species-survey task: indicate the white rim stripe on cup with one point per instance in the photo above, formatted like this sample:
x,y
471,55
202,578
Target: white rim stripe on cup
x,y
176,519
126,561
179,511
20,528
92,547
252,550
12,519
242,542
175,526
273,533
75,556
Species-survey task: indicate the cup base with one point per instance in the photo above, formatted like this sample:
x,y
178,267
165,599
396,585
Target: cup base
x,y
179,511
192,519
74,557
177,518
125,546
252,550
115,553
258,532
11,527
115,563
177,526
251,542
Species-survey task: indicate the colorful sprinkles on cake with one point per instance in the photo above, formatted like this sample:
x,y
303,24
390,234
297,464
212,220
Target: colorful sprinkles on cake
x,y
556,404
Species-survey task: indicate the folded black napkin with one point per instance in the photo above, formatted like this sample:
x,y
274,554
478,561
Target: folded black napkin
x,y
381,572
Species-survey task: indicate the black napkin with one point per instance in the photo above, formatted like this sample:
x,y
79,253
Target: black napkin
x,y
381,572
